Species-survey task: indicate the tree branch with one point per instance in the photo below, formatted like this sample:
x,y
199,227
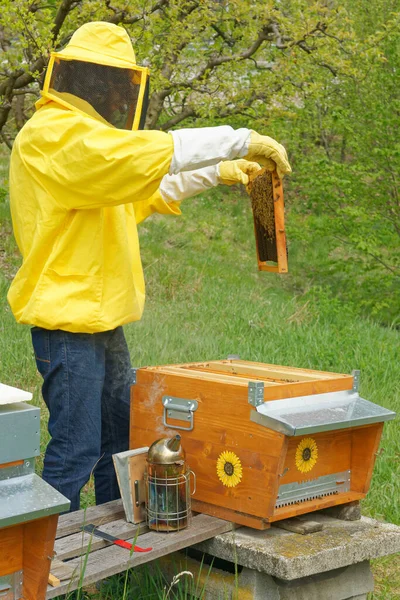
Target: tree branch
x,y
188,112
66,7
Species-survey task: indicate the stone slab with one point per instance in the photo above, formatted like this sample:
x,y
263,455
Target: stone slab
x,y
291,556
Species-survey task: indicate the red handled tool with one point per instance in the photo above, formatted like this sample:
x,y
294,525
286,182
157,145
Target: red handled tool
x,y
110,538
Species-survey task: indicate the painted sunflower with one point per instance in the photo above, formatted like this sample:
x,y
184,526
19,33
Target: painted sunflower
x,y
306,455
229,469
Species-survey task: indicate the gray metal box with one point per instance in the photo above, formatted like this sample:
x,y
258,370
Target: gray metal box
x,y
19,432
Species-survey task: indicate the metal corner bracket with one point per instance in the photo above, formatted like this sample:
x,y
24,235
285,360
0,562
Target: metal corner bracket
x,y
256,393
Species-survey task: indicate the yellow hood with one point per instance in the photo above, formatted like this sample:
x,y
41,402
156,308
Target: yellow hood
x,y
102,43
99,43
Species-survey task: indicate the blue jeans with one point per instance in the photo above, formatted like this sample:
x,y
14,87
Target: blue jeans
x,y
86,387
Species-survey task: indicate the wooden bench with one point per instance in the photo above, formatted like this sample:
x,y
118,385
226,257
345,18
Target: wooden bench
x,y
86,559
328,558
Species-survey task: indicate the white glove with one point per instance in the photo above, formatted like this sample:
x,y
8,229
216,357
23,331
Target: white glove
x,y
197,148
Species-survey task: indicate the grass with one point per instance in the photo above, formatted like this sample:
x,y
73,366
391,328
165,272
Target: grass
x,y
205,300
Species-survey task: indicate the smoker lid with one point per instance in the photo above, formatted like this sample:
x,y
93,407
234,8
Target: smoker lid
x,y
166,451
9,394
319,412
28,497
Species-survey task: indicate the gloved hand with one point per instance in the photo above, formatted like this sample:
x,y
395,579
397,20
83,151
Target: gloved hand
x,y
236,171
269,153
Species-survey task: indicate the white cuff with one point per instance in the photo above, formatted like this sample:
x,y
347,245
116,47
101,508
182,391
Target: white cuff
x,y
185,185
196,148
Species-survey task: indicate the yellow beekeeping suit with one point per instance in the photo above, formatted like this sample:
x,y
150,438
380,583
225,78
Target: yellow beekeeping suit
x,y
78,187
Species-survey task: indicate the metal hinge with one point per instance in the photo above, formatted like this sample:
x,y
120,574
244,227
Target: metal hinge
x,y
256,393
356,380
180,409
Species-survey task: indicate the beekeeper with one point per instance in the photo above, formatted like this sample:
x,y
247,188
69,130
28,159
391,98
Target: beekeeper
x,y
83,173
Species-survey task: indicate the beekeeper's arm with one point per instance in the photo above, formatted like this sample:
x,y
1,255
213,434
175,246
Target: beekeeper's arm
x,y
175,188
195,148
89,165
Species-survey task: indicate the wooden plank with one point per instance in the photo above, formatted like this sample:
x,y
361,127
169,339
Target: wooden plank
x,y
11,549
137,468
98,515
365,444
60,570
39,538
279,213
223,370
230,515
282,371
334,456
77,544
302,525
207,375
53,580
279,382
109,561
279,372
307,388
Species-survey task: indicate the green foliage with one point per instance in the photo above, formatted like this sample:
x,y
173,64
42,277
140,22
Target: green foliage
x,y
346,159
206,299
208,59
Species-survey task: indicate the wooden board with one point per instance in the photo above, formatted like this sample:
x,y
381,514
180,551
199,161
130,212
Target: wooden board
x,y
11,549
93,559
279,381
137,466
28,547
334,456
39,538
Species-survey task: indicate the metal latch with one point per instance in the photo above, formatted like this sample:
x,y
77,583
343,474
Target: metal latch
x,y
180,409
256,393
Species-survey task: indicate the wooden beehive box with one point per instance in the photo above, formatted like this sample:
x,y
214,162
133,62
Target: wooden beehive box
x,y
29,507
265,442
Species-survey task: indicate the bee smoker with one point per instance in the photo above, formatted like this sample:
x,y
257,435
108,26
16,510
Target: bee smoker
x,y
167,479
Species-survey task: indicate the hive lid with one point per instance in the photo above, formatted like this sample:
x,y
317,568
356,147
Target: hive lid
x,y
28,497
320,412
10,395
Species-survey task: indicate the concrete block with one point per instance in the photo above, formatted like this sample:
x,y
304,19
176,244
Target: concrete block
x,y
290,556
339,584
351,583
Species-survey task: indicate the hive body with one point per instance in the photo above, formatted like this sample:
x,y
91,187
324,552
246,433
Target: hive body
x,y
253,468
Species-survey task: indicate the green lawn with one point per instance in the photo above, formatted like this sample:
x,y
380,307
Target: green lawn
x,y
206,299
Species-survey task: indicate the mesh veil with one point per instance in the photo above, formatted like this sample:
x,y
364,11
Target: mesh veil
x,y
113,92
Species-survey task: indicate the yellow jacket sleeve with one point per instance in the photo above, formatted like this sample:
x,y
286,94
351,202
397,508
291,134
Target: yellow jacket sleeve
x,y
84,164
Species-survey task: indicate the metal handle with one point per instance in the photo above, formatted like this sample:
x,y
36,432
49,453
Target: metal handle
x,y
194,482
180,409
